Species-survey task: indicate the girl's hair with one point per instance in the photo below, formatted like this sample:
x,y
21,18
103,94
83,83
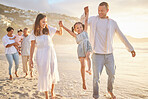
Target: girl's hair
x,y
72,29
19,30
37,27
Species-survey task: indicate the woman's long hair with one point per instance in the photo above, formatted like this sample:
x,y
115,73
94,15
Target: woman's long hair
x,y
37,27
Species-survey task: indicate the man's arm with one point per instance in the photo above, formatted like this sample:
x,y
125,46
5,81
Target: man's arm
x,y
125,41
86,10
82,18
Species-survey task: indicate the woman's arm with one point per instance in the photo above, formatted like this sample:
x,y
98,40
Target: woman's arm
x,y
59,32
65,28
31,53
13,44
7,44
12,38
21,39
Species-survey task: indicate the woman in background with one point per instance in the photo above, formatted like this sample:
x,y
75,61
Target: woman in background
x,y
10,50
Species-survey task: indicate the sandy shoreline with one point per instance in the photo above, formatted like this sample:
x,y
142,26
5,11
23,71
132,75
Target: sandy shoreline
x,y
130,83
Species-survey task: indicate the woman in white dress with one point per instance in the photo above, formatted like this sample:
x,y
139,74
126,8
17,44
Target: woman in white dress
x,y
45,56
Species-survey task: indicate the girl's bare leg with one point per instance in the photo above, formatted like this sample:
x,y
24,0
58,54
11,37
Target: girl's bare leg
x,y
82,60
88,62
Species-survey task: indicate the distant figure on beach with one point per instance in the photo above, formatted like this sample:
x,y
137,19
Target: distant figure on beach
x,y
46,59
102,30
10,50
84,47
18,38
25,51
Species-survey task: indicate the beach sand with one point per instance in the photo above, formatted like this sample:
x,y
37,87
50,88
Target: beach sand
x,y
131,80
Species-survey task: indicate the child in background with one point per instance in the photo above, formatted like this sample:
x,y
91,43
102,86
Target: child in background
x,y
18,38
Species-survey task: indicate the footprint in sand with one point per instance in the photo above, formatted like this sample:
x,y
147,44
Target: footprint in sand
x,y
21,88
1,87
2,95
24,95
58,97
16,92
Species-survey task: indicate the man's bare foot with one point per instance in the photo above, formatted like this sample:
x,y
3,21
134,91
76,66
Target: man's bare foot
x,y
89,72
52,95
10,77
84,86
16,74
112,95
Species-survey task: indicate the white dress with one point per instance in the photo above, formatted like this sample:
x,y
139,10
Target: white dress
x,y
46,61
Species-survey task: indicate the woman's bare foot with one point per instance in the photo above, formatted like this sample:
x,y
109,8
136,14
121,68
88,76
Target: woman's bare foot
x,y
31,74
10,77
25,75
84,86
112,95
89,72
46,94
16,74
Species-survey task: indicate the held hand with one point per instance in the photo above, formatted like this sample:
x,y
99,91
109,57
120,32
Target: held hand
x,y
31,63
86,10
15,44
133,53
60,24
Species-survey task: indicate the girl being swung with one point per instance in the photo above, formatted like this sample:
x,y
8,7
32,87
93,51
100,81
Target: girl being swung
x,y
84,47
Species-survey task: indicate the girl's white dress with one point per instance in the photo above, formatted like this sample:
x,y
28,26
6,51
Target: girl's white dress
x,y
46,60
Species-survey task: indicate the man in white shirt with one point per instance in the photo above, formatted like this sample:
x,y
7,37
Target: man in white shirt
x,y
102,30
25,51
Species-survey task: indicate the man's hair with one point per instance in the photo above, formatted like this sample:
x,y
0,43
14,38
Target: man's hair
x,y
104,4
9,29
26,29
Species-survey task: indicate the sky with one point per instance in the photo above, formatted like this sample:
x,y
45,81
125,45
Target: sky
x,y
130,15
